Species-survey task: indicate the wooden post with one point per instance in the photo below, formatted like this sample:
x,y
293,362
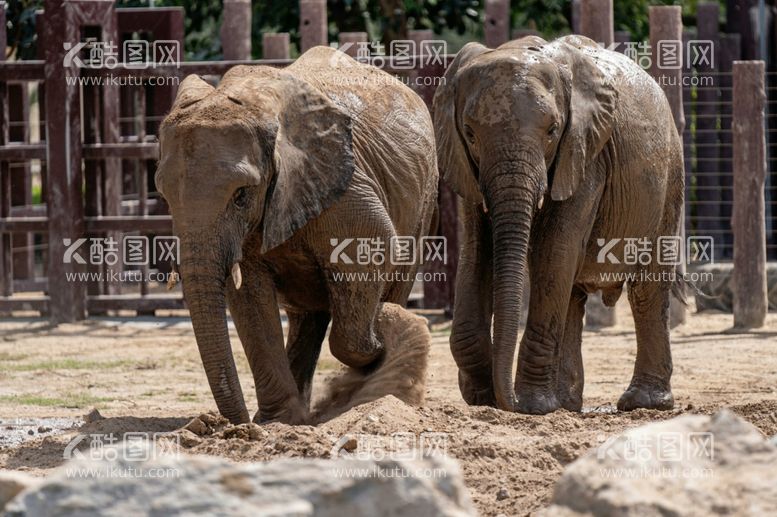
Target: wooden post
x,y
575,15
110,133
275,45
596,22
349,42
707,168
730,51
6,256
497,22
63,128
622,38
748,221
236,30
312,24
419,36
688,135
666,26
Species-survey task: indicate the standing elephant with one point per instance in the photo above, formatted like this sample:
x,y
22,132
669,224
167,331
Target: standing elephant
x,y
556,148
264,175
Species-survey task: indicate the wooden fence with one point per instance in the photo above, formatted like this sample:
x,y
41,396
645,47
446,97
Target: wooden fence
x,y
95,152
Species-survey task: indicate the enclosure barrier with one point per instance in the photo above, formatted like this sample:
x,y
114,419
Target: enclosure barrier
x,y
102,184
750,298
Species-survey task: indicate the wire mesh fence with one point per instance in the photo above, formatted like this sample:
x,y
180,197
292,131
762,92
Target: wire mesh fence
x,y
707,146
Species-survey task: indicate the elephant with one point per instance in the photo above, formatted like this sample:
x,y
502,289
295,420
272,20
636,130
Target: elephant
x,y
555,148
264,175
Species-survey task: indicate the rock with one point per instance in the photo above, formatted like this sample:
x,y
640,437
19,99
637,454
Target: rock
x,y
203,485
12,483
350,444
44,429
256,433
502,494
187,438
197,427
689,465
213,420
93,416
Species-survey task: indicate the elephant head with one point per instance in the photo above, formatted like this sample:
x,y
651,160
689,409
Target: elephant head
x,y
256,158
513,125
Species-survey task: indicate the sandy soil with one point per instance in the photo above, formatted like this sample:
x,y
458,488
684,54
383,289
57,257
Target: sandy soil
x,y
145,375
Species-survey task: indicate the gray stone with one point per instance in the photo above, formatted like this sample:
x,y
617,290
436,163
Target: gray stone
x,y
690,465
203,485
12,483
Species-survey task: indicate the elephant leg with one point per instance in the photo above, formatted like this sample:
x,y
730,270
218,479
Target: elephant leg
x,y
650,385
552,264
306,334
470,339
255,312
570,369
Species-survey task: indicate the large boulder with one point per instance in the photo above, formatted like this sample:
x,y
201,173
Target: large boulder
x,y
690,465
202,485
12,483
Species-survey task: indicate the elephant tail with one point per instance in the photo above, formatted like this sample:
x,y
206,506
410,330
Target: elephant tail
x,y
682,286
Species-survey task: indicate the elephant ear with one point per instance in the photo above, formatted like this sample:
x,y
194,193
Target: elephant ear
x,y
192,89
313,157
452,157
592,101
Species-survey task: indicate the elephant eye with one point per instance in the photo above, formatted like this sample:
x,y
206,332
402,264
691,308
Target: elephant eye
x,y
553,129
240,198
469,134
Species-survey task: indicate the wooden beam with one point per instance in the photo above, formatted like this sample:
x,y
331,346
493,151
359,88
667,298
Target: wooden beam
x,y
748,221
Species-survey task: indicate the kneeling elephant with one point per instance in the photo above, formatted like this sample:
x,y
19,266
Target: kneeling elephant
x,y
265,176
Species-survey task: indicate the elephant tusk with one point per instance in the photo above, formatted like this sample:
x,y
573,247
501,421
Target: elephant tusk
x,y
539,205
485,208
172,280
237,276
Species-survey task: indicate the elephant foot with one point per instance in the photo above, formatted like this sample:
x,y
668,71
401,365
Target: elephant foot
x,y
292,413
533,401
570,401
647,395
476,393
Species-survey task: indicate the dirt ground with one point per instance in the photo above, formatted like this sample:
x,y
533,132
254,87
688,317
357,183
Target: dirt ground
x,y
145,375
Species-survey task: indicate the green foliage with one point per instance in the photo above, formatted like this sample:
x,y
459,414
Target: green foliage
x,y
551,18
20,28
457,21
202,22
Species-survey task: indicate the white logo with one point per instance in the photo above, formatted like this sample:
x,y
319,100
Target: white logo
x,y
135,250
605,254
700,249
405,54
105,54
701,53
338,253
670,54
402,250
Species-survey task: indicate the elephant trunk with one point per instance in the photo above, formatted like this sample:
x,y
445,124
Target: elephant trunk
x,y
511,197
204,279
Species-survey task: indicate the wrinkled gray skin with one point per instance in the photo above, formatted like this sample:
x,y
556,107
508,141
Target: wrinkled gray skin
x,y
554,146
264,171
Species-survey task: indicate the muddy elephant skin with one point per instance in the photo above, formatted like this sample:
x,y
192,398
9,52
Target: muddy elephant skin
x,y
265,175
556,149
